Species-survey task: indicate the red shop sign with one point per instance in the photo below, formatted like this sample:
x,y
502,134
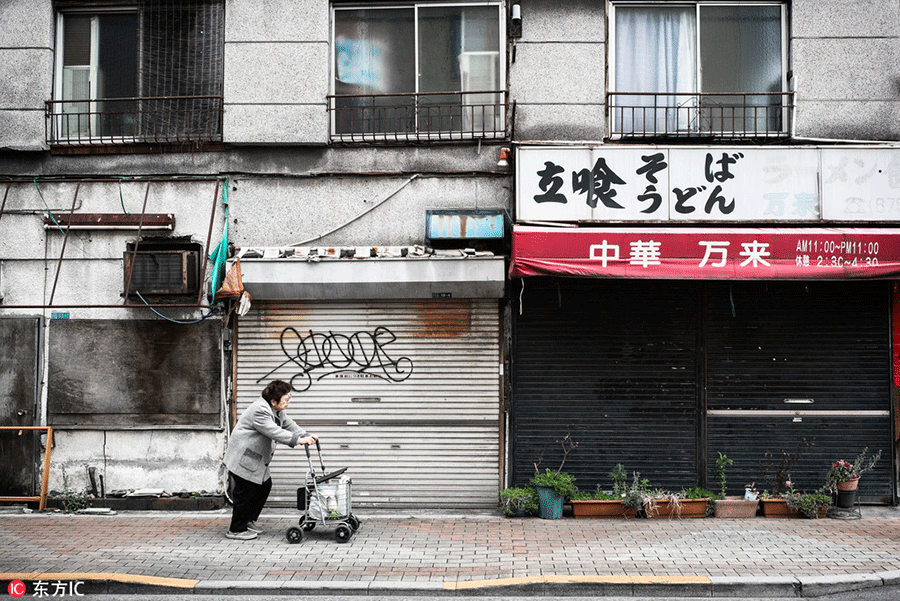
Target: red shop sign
x,y
706,253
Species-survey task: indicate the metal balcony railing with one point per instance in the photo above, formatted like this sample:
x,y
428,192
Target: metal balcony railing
x,y
147,120
436,116
688,115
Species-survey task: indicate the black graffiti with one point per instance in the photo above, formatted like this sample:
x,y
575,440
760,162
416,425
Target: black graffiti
x,y
359,353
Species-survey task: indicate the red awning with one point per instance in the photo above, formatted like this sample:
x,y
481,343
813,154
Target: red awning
x,y
706,253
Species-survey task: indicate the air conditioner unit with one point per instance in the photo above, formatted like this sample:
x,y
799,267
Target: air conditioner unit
x,y
163,271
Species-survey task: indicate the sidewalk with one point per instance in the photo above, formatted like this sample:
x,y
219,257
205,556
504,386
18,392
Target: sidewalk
x,y
443,553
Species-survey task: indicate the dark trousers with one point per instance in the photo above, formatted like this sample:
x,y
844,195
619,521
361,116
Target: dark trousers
x,y
247,499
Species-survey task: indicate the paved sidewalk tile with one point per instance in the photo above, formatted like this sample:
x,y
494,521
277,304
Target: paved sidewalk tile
x,y
453,551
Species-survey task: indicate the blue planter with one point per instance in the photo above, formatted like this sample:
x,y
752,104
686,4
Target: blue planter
x,y
551,504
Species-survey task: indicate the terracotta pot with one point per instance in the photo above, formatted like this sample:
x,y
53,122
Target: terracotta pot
x,y
777,508
848,484
600,509
690,508
736,507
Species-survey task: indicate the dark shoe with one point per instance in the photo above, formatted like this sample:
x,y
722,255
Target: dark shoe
x,y
252,527
245,535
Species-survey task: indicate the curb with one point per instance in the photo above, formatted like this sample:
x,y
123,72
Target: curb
x,y
550,585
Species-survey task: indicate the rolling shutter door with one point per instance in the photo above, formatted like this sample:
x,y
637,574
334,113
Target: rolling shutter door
x,y
613,364
405,394
789,361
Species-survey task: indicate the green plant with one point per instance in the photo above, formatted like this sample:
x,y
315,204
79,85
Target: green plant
x,y
601,495
519,501
619,477
842,470
70,500
634,495
722,464
697,492
562,483
597,495
808,504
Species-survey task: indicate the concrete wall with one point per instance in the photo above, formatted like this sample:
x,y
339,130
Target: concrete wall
x,y
276,71
846,64
92,273
26,78
556,74
92,269
175,461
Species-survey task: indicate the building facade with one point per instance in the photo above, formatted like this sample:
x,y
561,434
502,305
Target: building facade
x,y
463,231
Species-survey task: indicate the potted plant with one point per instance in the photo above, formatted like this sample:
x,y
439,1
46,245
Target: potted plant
x,y
602,504
734,506
689,503
599,504
775,505
843,477
810,505
519,501
777,474
554,487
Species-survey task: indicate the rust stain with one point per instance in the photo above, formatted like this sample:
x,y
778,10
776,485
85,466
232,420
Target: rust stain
x,y
443,318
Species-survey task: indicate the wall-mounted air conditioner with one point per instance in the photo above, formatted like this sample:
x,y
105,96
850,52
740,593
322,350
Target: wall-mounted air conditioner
x,y
162,271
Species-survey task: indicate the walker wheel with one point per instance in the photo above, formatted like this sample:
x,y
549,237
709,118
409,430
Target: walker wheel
x,y
308,526
294,535
342,533
354,522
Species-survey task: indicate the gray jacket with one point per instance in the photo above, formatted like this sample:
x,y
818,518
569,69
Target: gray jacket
x,y
253,439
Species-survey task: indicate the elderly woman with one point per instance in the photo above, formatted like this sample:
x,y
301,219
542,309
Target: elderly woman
x,y
250,450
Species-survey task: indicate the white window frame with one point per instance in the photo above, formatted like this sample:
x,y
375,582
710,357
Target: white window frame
x,y
415,6
696,4
93,13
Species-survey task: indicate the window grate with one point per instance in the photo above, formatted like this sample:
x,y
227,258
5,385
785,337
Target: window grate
x,y
436,116
175,95
723,116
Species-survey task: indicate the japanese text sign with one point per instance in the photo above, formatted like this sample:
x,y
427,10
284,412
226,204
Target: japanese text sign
x,y
675,184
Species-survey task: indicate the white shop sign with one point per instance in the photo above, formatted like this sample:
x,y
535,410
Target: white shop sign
x,y
614,183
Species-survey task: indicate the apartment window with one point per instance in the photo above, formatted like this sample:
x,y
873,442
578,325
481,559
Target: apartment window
x,y
418,72
698,69
148,72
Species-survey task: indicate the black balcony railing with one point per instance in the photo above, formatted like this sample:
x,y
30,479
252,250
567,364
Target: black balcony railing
x,y
439,116
725,116
154,120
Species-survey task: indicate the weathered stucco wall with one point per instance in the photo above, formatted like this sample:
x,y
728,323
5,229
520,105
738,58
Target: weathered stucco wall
x,y
276,76
26,80
175,461
556,74
846,66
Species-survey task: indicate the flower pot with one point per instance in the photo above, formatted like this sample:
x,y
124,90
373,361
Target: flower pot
x,y
777,508
848,484
845,499
736,507
601,509
551,504
685,508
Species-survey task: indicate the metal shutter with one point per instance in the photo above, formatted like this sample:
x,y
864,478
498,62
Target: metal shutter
x,y
613,364
818,349
415,417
